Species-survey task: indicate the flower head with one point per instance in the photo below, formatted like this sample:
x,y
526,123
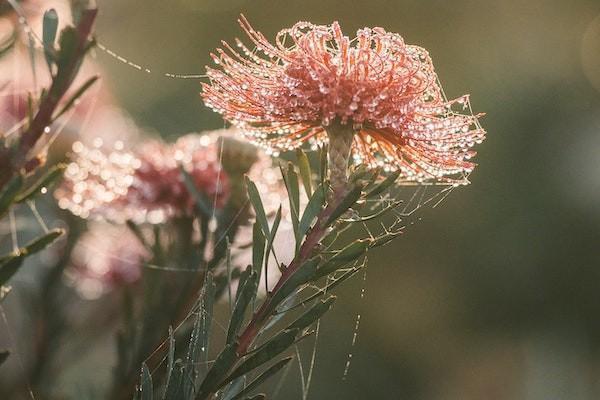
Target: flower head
x,y
144,185
105,257
386,91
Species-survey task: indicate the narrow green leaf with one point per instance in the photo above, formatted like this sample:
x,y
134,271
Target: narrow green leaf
x,y
348,254
327,289
349,200
272,370
313,208
265,353
4,291
290,179
49,29
323,164
202,206
384,185
214,378
257,204
313,314
43,241
146,385
208,301
170,362
258,248
9,192
384,239
260,396
3,356
271,238
11,263
305,172
305,274
48,179
82,89
237,317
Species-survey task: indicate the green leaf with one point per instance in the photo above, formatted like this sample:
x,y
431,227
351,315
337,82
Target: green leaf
x,y
247,292
258,248
3,356
48,179
332,285
349,200
323,164
271,238
386,183
4,291
260,396
346,255
82,89
272,370
305,274
305,171
313,208
208,301
313,314
11,263
9,192
146,385
257,204
202,206
49,29
170,361
214,378
265,353
290,179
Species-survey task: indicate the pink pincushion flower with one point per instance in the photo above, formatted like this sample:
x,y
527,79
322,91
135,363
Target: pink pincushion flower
x,y
315,77
145,185
106,257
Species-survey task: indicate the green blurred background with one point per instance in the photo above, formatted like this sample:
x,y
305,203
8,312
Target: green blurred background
x,y
494,294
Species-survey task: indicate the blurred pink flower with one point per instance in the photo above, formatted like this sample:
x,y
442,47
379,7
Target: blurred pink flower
x,y
145,184
314,76
106,257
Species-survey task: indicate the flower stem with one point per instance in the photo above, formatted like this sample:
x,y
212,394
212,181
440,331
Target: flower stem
x,y
340,143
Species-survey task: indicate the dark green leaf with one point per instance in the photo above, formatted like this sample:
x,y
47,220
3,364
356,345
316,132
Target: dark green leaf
x,y
170,362
214,378
258,248
11,263
49,29
305,274
4,291
349,200
313,314
3,356
265,353
272,370
323,164
247,292
257,204
291,184
271,239
305,171
48,179
9,192
82,89
386,183
346,255
146,385
313,208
